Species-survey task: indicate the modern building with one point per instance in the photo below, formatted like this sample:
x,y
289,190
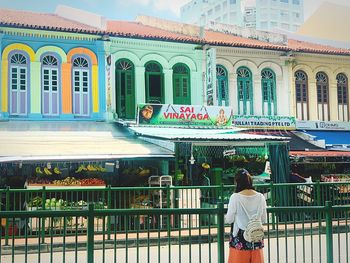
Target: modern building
x,y
264,15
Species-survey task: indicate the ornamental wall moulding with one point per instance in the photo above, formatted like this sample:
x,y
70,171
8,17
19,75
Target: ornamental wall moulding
x,y
320,58
47,35
248,51
150,43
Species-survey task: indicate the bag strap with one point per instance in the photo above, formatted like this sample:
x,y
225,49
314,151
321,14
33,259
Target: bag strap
x,y
245,210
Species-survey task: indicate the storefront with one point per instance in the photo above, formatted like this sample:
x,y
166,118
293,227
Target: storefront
x,y
76,154
208,149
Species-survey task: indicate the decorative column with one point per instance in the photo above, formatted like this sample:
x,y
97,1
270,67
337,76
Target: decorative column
x,y
140,92
168,86
313,109
257,95
196,88
282,96
101,58
232,91
1,87
67,109
333,100
35,90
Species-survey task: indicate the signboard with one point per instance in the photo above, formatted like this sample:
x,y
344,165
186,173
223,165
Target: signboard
x,y
184,115
108,83
211,76
264,122
323,125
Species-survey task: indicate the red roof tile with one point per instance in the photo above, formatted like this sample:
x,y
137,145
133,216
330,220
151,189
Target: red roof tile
x,y
33,20
219,38
135,29
47,21
308,47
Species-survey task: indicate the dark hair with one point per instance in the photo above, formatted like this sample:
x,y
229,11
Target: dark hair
x,y
243,180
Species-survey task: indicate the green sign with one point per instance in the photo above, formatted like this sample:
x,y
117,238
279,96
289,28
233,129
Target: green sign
x,y
184,115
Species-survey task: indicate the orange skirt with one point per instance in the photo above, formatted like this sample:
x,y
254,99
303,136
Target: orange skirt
x,y
246,256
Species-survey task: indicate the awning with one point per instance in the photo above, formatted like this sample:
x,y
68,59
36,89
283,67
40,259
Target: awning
x,y
203,135
319,153
295,142
331,137
30,141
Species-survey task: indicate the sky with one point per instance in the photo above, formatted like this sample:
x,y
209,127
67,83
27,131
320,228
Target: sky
x,y
129,9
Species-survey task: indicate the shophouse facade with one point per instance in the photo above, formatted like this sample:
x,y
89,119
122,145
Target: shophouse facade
x,y
145,68
51,68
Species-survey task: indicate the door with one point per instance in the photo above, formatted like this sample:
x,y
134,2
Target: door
x,y
81,93
18,94
154,83
245,92
268,92
221,86
125,90
50,94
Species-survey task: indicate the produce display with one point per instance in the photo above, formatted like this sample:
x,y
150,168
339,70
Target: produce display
x,y
69,181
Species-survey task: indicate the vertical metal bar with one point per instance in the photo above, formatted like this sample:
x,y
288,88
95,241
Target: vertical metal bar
x,y
329,232
272,189
109,204
318,193
90,234
7,219
43,219
221,231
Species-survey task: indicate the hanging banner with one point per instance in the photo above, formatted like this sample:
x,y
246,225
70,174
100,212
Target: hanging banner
x,y
265,122
211,76
184,115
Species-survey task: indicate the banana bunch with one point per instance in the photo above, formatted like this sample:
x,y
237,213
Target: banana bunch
x,y
47,171
81,168
56,170
91,168
38,170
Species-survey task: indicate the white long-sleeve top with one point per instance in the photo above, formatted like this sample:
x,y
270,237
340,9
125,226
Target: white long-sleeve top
x,y
236,214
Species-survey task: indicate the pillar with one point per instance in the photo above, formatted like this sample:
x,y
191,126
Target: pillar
x,y
35,89
140,92
168,86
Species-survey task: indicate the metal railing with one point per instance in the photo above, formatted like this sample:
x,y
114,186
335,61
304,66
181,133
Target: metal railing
x,y
297,234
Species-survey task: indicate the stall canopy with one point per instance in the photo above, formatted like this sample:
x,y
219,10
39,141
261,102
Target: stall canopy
x,y
34,141
295,142
204,135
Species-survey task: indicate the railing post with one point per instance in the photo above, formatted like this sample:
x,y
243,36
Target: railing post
x,y
272,189
318,193
43,198
109,206
7,204
90,234
329,231
221,233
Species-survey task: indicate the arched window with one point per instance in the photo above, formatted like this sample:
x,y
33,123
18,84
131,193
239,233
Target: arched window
x,y
301,93
222,86
181,84
343,99
322,96
19,84
154,83
125,89
245,91
50,89
81,87
268,84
